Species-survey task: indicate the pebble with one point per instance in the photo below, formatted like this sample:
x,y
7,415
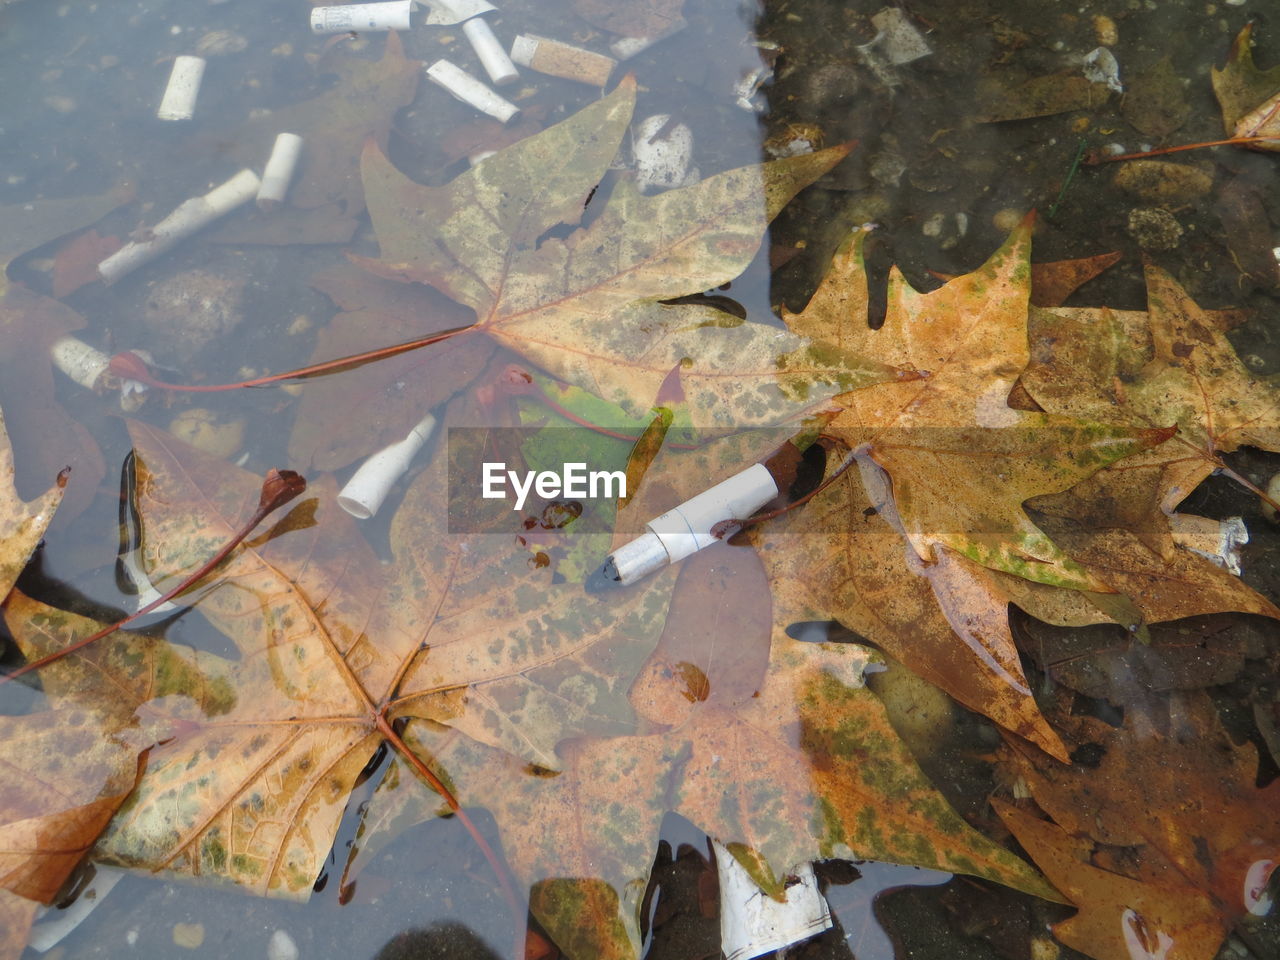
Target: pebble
x,y
1154,228
208,431
1159,181
1105,31
188,935
1273,491
1008,218
187,310
282,947
217,43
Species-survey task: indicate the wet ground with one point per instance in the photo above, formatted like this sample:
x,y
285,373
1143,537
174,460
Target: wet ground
x,y
941,177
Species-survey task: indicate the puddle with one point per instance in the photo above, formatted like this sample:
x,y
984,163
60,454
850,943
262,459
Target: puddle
x,y
961,117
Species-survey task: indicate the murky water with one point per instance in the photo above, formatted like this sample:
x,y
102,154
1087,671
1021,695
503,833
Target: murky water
x,y
80,82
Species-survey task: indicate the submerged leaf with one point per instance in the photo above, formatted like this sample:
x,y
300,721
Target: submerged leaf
x,y
586,308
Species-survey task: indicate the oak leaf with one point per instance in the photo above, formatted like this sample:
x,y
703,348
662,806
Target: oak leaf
x,y
1247,95
1180,872
963,461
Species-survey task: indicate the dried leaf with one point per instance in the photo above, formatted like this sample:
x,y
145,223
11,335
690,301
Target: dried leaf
x,y
809,765
21,524
1189,871
586,308
1245,93
961,459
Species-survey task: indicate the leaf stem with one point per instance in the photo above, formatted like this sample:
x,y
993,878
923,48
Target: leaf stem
x,y
278,488
1094,159
130,366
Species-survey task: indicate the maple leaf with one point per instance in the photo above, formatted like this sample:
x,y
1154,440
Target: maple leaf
x,y
68,768
1175,875
586,308
250,788
806,766
962,461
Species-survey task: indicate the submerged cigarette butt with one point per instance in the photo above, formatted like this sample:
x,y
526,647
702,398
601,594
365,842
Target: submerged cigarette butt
x,y
471,91
189,217
492,56
179,100
362,16
368,487
559,59
79,361
279,170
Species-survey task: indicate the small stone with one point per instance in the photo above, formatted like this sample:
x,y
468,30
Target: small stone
x,y
1154,228
282,947
190,309
1273,491
60,104
1158,181
1005,220
188,935
1105,31
207,431
218,43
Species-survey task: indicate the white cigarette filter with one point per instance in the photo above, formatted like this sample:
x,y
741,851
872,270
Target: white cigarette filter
x,y
279,170
558,59
362,17
492,56
190,216
471,91
686,529
179,100
363,495
79,361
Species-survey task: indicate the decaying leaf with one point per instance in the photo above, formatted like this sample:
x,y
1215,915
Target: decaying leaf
x,y
961,459
1247,95
586,308
809,765
1177,368
1173,875
21,524
326,198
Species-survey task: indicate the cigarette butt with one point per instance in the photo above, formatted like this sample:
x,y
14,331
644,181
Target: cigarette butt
x,y
279,170
471,91
362,17
368,487
564,60
189,217
79,361
179,100
686,529
492,56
